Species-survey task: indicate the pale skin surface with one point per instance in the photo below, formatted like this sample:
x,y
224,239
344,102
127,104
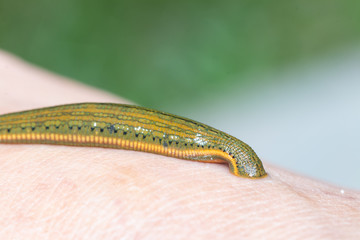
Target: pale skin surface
x,y
58,192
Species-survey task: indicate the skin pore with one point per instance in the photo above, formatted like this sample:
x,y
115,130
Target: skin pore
x,y
59,192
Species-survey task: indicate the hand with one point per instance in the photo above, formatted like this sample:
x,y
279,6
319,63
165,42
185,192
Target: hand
x,y
61,192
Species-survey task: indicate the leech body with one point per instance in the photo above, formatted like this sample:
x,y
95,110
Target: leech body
x,y
130,127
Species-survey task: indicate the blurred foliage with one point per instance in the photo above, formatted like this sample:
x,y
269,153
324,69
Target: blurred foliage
x,y
173,52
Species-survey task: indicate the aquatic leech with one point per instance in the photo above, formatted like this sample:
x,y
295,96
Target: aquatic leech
x,y
130,127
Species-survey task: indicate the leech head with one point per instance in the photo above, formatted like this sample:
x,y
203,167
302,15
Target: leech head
x,y
248,164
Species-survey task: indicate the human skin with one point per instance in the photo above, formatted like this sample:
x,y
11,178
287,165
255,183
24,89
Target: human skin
x,y
60,192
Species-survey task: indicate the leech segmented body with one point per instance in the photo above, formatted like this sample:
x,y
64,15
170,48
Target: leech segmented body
x,y
130,127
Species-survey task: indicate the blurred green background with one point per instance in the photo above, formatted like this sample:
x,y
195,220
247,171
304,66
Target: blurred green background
x,y
173,53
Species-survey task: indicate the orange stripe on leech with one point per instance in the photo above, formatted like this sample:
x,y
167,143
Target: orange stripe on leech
x,y
138,146
156,148
92,109
129,122
143,147
6,137
223,155
149,147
